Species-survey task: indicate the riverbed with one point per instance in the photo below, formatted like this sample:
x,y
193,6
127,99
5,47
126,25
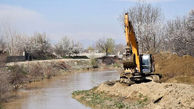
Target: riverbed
x,y
56,93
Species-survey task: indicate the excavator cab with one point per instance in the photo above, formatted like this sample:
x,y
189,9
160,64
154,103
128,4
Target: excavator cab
x,y
147,63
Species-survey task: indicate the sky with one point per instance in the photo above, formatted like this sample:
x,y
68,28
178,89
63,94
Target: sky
x,y
82,20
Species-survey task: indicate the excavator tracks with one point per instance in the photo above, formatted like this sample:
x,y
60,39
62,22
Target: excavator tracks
x,y
129,78
126,78
137,68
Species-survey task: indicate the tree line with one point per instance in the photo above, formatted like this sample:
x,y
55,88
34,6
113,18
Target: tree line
x,y
38,45
153,32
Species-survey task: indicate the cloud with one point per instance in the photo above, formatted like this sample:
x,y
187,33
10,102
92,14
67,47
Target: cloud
x,y
28,21
148,1
20,18
17,12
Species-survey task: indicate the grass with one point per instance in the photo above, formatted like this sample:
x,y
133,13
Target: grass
x,y
17,68
117,65
94,63
79,92
1,107
101,100
119,105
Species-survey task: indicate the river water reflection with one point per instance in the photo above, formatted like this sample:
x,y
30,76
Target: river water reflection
x,y
56,93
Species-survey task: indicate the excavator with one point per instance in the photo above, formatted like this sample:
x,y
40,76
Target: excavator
x,y
137,67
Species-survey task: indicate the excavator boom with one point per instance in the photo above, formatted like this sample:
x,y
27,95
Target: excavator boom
x,y
132,41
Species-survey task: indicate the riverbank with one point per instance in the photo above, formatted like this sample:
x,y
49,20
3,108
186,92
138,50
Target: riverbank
x,y
175,91
19,75
56,93
23,75
103,100
115,95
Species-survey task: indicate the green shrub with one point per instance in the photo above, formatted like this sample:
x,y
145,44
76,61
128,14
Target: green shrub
x,y
94,63
119,105
117,65
4,84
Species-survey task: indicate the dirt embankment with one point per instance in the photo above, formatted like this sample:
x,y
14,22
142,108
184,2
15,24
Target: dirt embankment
x,y
175,68
142,96
159,95
170,94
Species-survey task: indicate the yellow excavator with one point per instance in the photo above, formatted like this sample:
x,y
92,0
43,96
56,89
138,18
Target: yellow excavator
x,y
137,67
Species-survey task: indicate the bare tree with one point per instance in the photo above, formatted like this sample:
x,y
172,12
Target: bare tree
x,y
2,45
119,48
77,48
39,46
180,35
67,47
190,27
62,48
3,54
5,86
146,21
11,41
106,45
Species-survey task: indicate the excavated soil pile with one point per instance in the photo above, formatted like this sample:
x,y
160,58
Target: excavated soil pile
x,y
175,68
158,95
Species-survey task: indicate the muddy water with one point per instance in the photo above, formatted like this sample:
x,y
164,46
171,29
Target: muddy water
x,y
56,93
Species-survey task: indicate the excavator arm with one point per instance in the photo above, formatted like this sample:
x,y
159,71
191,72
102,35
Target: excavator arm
x,y
132,41
137,67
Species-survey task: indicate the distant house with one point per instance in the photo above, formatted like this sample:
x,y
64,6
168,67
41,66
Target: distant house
x,y
24,57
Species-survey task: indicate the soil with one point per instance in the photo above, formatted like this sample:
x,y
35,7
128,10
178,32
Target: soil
x,y
178,69
160,95
142,96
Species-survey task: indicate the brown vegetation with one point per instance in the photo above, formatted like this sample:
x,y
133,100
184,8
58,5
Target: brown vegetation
x,y
5,85
105,45
16,76
3,59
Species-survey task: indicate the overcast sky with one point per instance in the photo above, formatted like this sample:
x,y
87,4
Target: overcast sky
x,y
82,20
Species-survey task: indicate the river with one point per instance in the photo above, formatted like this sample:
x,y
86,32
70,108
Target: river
x,y
56,92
